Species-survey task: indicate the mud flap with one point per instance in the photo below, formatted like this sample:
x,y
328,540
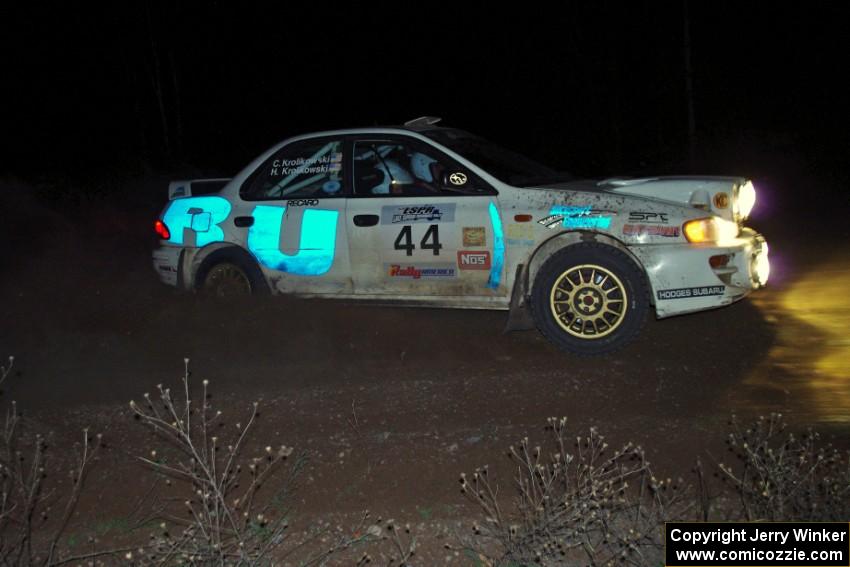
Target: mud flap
x,y
519,315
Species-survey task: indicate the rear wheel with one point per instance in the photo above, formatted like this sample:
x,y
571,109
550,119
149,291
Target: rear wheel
x,y
230,272
590,299
226,280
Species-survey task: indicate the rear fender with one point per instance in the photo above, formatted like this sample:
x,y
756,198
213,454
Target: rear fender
x,y
197,261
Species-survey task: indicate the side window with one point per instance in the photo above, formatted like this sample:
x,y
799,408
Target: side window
x,y
311,168
393,167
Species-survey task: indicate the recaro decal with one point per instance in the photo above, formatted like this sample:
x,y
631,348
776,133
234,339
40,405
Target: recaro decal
x,y
498,248
316,247
181,214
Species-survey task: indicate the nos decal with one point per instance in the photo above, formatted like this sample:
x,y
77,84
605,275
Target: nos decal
x,y
473,259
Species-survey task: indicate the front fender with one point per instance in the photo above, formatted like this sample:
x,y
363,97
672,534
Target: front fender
x,y
546,249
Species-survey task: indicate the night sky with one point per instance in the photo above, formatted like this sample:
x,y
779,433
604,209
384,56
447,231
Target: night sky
x,y
597,88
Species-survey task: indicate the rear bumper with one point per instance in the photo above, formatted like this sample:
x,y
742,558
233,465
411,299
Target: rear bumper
x,y
167,263
683,281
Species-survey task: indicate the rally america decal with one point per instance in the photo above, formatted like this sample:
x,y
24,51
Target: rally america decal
x,y
691,292
412,214
413,272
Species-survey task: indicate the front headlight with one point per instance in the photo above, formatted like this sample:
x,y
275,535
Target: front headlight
x,y
745,200
712,229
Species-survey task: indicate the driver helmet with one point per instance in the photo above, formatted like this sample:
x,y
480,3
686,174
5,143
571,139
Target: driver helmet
x,y
396,173
421,166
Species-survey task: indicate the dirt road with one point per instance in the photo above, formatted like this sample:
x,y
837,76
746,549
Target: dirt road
x,y
394,403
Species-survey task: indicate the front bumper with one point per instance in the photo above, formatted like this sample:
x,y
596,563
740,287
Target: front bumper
x,y
683,279
167,262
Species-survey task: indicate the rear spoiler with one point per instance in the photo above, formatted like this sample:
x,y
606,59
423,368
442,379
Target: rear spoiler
x,y
188,188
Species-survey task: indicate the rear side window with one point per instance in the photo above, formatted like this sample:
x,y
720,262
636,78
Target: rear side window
x,y
309,168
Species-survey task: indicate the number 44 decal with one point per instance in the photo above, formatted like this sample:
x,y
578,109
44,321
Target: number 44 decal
x,y
404,240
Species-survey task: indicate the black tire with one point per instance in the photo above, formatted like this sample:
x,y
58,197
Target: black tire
x,y
230,272
590,299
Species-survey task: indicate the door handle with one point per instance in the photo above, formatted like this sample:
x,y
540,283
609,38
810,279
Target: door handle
x,y
366,220
243,221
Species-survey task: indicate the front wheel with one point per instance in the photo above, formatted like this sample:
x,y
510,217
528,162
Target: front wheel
x,y
590,299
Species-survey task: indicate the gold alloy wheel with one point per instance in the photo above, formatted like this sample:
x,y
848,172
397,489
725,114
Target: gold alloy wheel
x,y
588,301
226,280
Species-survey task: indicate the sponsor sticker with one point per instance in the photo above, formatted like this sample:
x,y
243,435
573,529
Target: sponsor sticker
x,y
650,230
414,272
647,217
457,178
691,292
331,187
474,236
473,259
411,214
518,242
302,202
520,231
570,216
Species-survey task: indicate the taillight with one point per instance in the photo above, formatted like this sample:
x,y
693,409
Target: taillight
x,y
161,230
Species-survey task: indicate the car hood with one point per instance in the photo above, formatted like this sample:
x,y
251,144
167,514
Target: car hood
x,y
690,191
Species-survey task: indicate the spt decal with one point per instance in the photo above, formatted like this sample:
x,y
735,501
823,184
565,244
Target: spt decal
x,y
201,214
315,254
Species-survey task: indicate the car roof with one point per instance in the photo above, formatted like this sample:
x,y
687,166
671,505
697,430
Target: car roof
x,y
418,126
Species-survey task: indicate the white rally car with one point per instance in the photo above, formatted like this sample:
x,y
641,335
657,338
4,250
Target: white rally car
x,y
433,216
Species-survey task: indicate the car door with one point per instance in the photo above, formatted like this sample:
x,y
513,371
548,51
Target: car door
x,y
419,224
297,200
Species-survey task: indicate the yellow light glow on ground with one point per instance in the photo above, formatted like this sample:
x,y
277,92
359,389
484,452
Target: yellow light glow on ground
x,y
812,345
823,301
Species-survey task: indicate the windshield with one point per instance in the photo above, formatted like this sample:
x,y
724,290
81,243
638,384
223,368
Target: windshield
x,y
506,165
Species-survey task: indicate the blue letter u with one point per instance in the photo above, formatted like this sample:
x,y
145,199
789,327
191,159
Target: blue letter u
x,y
316,247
